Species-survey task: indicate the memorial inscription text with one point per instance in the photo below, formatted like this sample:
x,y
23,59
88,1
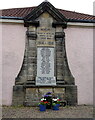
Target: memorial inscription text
x,y
45,57
45,37
45,60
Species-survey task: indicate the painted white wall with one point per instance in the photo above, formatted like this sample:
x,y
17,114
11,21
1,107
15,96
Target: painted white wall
x,y
0,67
79,46
79,42
13,45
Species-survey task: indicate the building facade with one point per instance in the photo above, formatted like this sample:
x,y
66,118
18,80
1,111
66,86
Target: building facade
x,y
74,63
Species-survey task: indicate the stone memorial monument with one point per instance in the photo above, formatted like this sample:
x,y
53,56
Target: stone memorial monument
x,y
45,67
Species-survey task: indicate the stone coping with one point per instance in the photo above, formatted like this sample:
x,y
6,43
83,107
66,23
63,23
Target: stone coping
x,y
31,86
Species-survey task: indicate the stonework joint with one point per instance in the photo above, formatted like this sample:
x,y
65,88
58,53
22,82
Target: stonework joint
x,y
31,34
59,35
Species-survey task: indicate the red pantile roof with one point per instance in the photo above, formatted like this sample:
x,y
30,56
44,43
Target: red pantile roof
x,y
17,12
22,12
76,15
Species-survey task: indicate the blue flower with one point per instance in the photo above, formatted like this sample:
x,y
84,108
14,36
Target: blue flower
x,y
48,93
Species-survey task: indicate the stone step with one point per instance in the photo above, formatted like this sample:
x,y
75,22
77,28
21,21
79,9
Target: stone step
x,y
30,82
60,82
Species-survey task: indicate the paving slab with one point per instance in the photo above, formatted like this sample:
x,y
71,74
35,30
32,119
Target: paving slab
x,y
33,112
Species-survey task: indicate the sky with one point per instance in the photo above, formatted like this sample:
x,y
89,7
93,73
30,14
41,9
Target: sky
x,y
81,6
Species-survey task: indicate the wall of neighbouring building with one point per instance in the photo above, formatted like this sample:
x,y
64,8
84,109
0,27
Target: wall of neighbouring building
x,y
79,46
13,45
0,65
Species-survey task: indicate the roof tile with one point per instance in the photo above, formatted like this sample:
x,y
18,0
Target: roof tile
x,y
22,12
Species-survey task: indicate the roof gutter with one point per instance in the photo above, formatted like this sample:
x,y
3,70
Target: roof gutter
x,y
81,21
68,20
8,17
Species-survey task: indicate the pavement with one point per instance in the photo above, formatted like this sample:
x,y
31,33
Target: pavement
x,y
82,111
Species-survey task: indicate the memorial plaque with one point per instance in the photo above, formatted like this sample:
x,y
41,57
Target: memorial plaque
x,y
45,66
45,55
45,37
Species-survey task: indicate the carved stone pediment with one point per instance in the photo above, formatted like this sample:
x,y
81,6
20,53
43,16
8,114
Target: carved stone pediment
x,y
44,7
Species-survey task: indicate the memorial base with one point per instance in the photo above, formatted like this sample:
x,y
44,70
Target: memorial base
x,y
31,95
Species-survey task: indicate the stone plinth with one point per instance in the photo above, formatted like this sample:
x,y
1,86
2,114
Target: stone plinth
x,y
30,95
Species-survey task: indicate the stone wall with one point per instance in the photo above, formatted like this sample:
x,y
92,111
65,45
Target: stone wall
x,y
30,96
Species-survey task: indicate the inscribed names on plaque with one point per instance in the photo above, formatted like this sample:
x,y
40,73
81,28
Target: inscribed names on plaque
x,y
45,61
45,66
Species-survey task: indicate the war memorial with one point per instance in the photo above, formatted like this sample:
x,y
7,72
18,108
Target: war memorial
x,y
45,63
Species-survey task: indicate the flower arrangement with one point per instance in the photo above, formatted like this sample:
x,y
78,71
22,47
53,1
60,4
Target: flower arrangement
x,y
43,102
55,101
48,97
49,101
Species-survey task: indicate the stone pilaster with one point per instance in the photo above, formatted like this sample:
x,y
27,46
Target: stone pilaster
x,y
63,73
31,55
59,36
